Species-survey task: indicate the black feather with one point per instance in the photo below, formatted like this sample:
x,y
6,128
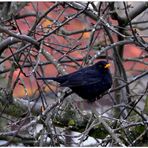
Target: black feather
x,y
89,82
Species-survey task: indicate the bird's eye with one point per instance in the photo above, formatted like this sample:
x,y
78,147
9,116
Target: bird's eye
x,y
100,66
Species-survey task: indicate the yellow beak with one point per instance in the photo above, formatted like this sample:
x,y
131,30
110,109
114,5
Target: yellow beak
x,y
107,66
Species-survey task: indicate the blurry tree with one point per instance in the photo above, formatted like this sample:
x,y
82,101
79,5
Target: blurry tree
x,y
54,38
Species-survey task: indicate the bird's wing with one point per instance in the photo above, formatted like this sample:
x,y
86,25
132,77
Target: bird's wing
x,y
82,78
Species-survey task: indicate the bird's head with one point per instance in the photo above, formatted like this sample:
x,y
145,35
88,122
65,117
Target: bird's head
x,y
102,65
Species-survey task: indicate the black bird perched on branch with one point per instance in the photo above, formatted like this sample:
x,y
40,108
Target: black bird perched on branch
x,y
89,82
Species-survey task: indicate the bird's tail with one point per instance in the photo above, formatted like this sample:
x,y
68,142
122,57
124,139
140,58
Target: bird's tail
x,y
60,79
47,78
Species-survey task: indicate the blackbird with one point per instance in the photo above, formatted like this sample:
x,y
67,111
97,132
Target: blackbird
x,y
89,82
